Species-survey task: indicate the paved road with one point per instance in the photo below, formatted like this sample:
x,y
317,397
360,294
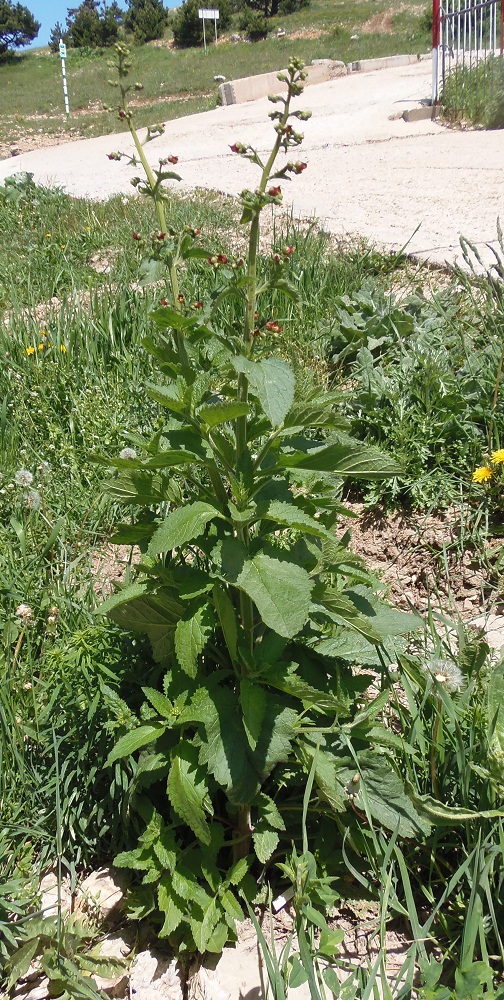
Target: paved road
x,y
369,172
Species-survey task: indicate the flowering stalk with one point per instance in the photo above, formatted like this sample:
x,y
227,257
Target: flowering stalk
x,y
155,188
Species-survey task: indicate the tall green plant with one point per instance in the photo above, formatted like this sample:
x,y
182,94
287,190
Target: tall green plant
x,y
249,598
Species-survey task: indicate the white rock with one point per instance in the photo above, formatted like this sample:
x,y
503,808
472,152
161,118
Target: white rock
x,y
105,888
154,976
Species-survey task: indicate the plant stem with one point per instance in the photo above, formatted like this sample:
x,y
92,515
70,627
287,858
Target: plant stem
x,y
243,842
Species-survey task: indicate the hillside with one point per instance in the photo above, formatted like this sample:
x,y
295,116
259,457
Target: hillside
x,y
181,82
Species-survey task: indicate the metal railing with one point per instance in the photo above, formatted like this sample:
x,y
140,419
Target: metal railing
x,y
467,36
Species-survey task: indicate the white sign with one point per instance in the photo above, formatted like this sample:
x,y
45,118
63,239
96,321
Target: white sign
x,y
62,50
213,15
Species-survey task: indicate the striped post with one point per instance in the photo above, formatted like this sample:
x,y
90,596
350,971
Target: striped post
x,y
62,52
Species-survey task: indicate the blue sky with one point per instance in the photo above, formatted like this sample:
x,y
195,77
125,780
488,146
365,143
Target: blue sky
x,y
50,11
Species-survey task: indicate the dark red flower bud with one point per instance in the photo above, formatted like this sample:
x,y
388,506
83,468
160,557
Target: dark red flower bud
x,y
240,262
273,326
163,302
221,258
275,258
274,192
197,305
121,114
288,251
172,159
299,167
180,298
136,236
161,236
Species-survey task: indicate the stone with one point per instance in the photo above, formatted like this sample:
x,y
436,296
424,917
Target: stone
x,y
28,991
105,888
155,976
48,889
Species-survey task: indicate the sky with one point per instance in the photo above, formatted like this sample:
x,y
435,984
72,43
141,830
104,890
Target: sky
x,y
50,11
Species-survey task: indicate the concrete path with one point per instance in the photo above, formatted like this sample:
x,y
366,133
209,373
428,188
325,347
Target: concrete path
x,y
369,173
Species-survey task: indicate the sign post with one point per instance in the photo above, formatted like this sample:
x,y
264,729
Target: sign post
x,y
62,52
212,15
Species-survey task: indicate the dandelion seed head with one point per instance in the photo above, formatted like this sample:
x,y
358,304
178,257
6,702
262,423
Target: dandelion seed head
x,y
32,499
25,612
447,673
23,477
128,453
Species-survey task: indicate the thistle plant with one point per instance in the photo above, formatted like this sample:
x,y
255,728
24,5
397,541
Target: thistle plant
x,y
254,607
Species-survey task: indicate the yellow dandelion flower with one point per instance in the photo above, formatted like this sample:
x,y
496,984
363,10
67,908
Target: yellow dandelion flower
x,y
498,456
30,350
481,474
41,347
62,246
43,333
48,236
63,349
88,229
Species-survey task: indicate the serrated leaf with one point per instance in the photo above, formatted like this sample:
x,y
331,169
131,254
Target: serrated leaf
x,y
265,843
138,738
268,811
273,382
219,413
356,460
191,636
281,590
202,929
293,517
154,614
170,907
187,790
231,905
182,525
159,701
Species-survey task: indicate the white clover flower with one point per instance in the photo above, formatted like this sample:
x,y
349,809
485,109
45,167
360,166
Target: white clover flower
x,y
23,477
447,673
32,499
24,611
128,453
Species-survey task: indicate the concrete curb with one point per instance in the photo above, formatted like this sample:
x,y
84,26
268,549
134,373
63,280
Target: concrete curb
x,y
251,88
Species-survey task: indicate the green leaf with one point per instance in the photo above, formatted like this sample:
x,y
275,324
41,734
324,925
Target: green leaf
x,y
154,614
495,697
330,941
142,488
159,701
168,318
298,975
281,590
188,792
182,525
227,753
268,812
332,982
150,271
169,906
20,961
293,517
273,382
191,636
227,619
202,929
253,702
440,814
130,742
265,843
356,460
171,458
219,413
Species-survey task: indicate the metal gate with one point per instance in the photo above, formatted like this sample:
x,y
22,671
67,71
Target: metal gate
x,y
467,37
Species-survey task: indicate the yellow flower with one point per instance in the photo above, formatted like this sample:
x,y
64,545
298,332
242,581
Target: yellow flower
x,y
30,350
498,456
48,236
62,348
88,229
62,246
41,347
481,474
43,333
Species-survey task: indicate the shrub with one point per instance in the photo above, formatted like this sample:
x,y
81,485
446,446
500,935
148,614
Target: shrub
x,y
188,27
254,24
146,19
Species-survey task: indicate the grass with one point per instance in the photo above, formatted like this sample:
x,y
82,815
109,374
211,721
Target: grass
x,y
182,82
476,94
